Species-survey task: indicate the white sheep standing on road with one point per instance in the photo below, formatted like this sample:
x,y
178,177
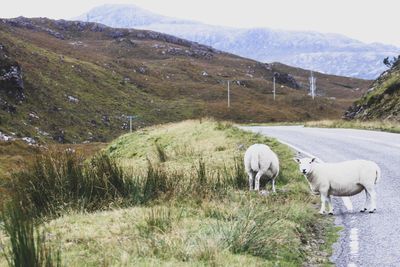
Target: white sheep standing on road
x,y
260,160
346,178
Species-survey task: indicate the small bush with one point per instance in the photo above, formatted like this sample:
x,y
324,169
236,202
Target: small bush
x,y
253,234
268,233
223,125
157,220
27,245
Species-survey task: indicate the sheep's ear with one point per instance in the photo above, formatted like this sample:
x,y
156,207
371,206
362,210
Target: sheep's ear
x,y
313,159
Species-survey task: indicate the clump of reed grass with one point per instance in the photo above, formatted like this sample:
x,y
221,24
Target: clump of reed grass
x,y
27,245
158,219
59,180
161,153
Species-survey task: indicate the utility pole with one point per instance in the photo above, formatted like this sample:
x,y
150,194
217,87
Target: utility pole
x,y
130,122
274,91
229,95
313,87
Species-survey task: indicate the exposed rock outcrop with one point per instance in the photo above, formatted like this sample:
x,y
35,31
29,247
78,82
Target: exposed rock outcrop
x,y
11,82
382,100
287,79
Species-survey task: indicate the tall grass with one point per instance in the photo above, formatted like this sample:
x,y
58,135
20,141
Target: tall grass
x,y
155,183
200,182
240,175
60,180
27,245
63,180
161,153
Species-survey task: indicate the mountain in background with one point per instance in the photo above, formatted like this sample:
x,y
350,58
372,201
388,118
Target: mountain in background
x,y
327,53
382,101
73,81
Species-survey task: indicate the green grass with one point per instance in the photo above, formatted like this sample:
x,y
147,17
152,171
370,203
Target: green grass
x,y
193,209
384,126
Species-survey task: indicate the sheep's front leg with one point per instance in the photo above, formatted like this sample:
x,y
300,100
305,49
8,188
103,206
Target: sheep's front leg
x,y
330,206
372,194
323,201
257,182
250,180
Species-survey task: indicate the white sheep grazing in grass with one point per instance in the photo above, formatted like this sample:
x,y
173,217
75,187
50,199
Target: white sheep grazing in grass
x,y
346,178
260,160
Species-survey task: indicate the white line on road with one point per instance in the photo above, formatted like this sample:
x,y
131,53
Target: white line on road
x,y
354,241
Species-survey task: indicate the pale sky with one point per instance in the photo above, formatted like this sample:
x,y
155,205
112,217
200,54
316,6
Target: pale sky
x,y
365,20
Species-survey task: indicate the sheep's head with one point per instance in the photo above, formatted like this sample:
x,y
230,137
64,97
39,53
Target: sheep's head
x,y
305,165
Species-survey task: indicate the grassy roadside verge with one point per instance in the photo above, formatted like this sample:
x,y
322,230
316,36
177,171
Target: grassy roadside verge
x,y
203,214
384,126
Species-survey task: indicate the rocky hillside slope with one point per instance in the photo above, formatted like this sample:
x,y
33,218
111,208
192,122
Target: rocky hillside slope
x,y
71,81
328,53
382,101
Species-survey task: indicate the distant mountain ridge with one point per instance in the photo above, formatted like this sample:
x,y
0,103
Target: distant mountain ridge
x,y
327,53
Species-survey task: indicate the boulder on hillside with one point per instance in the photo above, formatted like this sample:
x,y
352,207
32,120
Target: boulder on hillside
x,y
287,79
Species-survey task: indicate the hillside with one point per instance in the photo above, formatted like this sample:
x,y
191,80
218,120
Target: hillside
x,y
328,53
75,81
382,101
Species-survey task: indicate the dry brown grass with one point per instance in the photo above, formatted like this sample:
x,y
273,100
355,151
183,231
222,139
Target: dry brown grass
x,y
385,126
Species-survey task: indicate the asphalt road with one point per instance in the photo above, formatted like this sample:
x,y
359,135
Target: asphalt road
x,y
367,239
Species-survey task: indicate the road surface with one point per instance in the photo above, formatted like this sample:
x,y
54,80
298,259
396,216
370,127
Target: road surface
x,y
367,239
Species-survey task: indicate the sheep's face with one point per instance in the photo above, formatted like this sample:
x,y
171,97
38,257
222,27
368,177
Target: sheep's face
x,y
305,165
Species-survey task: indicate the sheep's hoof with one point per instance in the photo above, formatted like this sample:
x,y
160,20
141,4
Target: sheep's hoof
x,y
331,213
363,210
372,211
322,212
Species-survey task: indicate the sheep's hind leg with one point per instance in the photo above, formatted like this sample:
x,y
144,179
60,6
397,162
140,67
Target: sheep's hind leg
x,y
372,194
367,201
250,180
257,182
